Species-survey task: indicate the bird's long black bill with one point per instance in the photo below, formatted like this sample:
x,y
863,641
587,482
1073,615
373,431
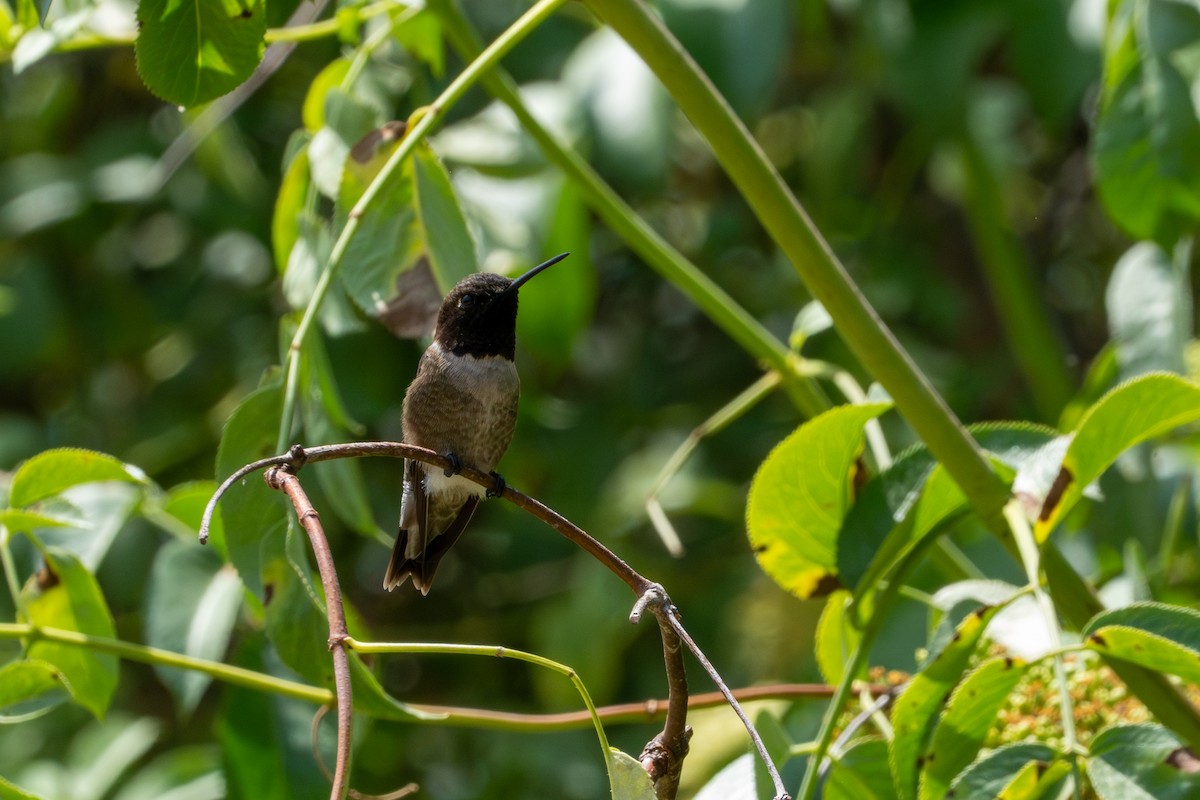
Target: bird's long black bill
x,y
544,265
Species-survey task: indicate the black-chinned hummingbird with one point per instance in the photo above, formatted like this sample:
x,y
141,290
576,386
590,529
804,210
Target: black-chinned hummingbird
x,y
462,404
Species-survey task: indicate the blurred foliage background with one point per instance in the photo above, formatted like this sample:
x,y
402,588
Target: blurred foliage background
x,y
930,141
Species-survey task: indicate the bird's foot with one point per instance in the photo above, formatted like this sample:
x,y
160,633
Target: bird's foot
x,y
497,489
456,464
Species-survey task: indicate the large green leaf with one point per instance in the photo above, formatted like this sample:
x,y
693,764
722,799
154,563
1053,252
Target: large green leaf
x,y
861,773
66,596
962,727
629,777
101,753
1146,147
30,688
836,638
995,774
800,495
183,773
389,240
192,602
185,503
290,204
1131,413
559,305
266,740
904,504
916,707
734,781
51,472
1162,637
447,240
9,791
1129,761
331,77
1149,311
298,627
778,743
250,511
193,51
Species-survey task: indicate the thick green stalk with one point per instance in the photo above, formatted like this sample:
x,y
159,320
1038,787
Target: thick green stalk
x,y
166,658
783,217
722,309
1038,352
863,331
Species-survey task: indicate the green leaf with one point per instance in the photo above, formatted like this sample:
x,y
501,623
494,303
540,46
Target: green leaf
x,y
389,239
558,306
735,781
968,716
1149,311
30,688
1146,151
102,752
330,77
904,504
250,511
266,740
9,791
1101,374
836,638
298,627
1139,761
799,496
992,774
1162,637
630,780
51,472
326,420
1131,413
421,35
67,597
290,205
193,51
349,123
1036,780
192,603
861,773
186,503
16,519
184,773
447,240
778,745
915,708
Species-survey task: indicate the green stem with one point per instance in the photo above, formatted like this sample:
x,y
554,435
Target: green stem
x,y
863,331
165,658
1038,352
425,120
1031,560
779,211
10,569
494,651
668,262
856,664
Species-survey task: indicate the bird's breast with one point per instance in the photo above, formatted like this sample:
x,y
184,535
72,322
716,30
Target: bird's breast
x,y
463,404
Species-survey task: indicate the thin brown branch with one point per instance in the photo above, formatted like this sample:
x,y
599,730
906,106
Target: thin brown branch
x,y
664,754
283,479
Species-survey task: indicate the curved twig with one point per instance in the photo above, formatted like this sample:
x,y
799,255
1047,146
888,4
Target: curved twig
x,y
663,755
283,479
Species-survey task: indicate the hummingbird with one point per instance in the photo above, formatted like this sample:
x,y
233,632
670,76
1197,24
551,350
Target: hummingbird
x,y
461,404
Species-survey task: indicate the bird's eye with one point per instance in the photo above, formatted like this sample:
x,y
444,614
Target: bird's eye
x,y
465,300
